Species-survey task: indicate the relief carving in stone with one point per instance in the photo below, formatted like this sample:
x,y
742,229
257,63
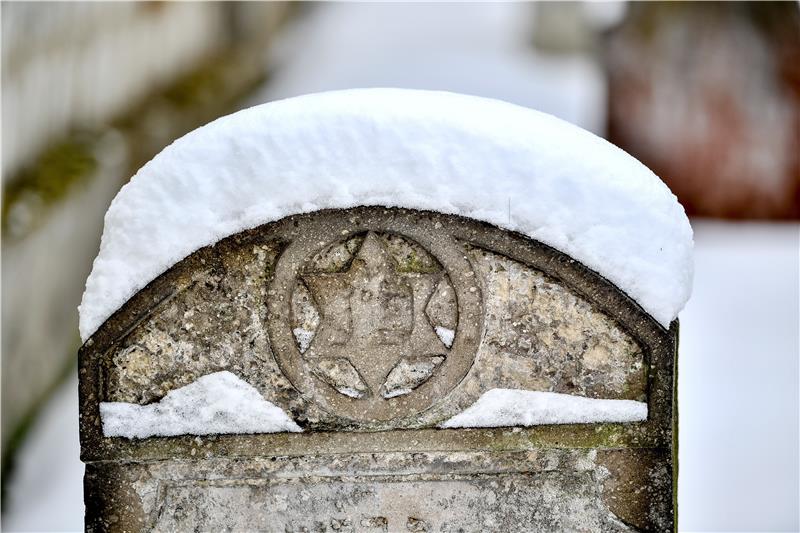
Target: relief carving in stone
x,y
374,322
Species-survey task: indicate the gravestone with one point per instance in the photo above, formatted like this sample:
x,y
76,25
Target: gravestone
x,y
325,314
399,349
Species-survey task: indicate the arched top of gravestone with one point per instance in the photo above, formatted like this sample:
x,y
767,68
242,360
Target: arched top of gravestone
x,y
488,160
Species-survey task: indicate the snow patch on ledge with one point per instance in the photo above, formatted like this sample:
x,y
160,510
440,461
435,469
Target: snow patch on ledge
x,y
511,407
480,158
446,335
303,338
214,404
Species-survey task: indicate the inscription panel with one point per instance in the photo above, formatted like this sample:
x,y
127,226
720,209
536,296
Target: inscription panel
x,y
546,501
544,489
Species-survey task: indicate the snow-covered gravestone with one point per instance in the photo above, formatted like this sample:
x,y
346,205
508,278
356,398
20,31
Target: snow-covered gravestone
x,y
385,310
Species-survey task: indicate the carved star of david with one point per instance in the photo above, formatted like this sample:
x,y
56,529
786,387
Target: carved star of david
x,y
374,337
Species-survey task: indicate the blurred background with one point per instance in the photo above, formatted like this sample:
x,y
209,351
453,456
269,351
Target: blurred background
x,y
707,95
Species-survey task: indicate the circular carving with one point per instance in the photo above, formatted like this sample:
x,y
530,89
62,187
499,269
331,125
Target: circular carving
x,y
374,321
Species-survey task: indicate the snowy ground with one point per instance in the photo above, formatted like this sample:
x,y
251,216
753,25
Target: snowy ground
x,y
738,381
739,333
46,490
738,398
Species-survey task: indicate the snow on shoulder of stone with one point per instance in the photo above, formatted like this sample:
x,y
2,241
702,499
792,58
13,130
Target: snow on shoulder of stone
x,y
214,404
488,160
511,407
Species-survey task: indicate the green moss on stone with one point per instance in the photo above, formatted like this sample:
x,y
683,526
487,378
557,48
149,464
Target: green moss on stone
x,y
412,262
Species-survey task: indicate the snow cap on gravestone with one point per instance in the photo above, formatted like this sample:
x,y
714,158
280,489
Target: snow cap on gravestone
x,y
484,159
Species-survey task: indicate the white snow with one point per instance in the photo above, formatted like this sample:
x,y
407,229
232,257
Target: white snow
x,y
446,335
214,404
347,391
511,407
303,337
485,159
395,393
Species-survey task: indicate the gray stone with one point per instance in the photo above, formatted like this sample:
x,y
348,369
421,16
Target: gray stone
x,y
370,327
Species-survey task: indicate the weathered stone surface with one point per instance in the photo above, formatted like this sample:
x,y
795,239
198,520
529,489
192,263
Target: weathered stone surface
x,y
541,336
539,490
370,327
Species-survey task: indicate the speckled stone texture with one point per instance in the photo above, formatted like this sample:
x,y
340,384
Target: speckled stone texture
x,y
370,327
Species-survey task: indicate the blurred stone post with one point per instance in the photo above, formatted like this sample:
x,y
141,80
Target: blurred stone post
x,y
707,94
